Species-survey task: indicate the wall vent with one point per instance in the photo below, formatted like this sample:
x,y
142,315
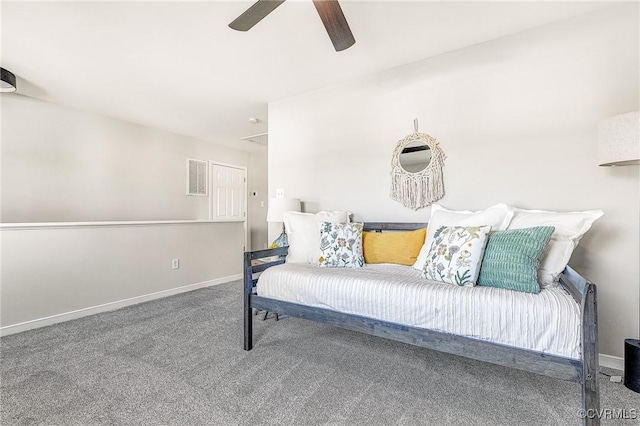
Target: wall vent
x,y
260,139
196,177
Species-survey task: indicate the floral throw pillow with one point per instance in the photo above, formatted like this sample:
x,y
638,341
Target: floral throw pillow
x,y
341,245
456,254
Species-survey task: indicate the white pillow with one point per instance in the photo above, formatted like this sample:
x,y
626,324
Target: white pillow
x,y
498,217
569,228
304,233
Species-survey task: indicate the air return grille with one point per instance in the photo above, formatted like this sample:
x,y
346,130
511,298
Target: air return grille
x,y
196,177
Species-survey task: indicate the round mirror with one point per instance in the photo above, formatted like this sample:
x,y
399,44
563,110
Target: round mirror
x,y
415,156
416,171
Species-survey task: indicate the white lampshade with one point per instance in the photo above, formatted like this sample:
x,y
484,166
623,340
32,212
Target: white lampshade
x,y
278,207
619,140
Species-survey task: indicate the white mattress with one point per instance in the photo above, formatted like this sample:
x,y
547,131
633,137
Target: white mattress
x,y
546,322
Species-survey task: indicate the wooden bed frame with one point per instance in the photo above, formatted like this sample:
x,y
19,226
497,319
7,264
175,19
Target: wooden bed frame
x,y
583,370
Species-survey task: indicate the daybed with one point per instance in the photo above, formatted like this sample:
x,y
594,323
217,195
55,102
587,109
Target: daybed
x,y
568,352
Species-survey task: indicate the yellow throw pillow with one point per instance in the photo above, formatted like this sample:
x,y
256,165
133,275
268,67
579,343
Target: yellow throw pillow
x,y
401,248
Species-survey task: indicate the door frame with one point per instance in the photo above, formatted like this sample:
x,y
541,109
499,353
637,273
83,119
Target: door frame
x,y
244,193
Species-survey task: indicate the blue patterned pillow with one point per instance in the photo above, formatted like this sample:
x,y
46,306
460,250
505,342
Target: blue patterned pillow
x,y
512,258
341,245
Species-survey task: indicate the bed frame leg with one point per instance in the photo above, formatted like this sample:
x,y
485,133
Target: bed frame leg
x,y
589,380
248,324
248,312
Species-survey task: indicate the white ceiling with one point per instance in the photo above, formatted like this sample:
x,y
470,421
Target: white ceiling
x,y
176,65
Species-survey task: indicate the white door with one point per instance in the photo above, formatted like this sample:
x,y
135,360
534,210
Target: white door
x,y
228,193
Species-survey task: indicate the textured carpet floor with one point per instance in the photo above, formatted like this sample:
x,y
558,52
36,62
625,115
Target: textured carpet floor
x,y
179,361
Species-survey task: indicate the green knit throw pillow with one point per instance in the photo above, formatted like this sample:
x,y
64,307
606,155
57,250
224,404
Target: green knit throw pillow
x,y
512,258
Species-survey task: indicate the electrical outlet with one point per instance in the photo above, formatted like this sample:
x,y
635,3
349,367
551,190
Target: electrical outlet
x,y
280,192
175,263
261,203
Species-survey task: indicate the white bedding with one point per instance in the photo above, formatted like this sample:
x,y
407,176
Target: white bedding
x,y
547,322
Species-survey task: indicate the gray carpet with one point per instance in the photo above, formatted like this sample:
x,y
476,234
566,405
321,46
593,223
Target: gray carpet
x,y
179,361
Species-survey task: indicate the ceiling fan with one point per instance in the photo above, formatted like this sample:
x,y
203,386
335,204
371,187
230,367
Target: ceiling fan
x,y
329,10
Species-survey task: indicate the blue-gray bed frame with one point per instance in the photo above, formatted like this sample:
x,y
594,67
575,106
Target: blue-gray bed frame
x,y
583,370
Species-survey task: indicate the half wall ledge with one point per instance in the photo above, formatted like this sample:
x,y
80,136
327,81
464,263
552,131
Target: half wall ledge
x,y
53,225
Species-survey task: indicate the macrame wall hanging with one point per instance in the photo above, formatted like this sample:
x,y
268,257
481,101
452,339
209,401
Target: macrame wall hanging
x,y
416,170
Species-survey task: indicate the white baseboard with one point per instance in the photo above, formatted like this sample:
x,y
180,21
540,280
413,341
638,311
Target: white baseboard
x,y
611,361
79,313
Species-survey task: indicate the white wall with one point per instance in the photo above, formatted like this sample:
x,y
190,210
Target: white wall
x,y
258,203
56,271
517,120
60,164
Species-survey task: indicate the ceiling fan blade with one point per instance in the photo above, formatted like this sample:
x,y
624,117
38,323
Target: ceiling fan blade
x,y
335,23
254,14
